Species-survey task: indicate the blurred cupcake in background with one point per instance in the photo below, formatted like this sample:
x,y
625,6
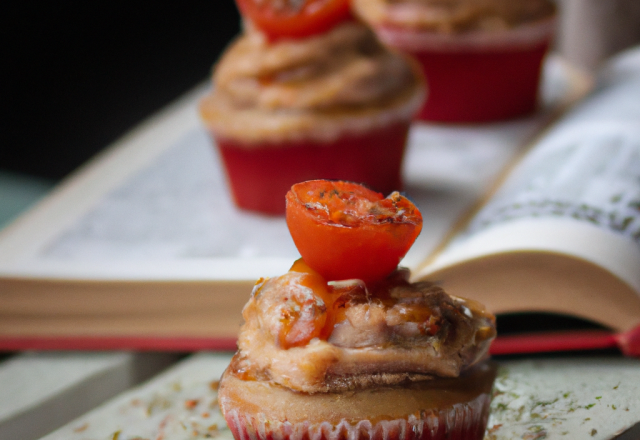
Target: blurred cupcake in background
x,y
306,92
482,58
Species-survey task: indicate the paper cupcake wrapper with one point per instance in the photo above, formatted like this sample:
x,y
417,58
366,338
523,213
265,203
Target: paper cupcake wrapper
x,y
259,176
462,421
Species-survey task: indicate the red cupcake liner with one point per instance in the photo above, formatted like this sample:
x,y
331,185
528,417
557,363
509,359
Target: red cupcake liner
x,y
260,174
480,76
481,87
462,421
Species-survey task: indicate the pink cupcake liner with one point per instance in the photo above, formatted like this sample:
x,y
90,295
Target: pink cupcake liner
x,y
462,421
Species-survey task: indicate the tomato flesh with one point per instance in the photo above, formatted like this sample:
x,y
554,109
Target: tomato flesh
x,y
307,314
294,18
345,231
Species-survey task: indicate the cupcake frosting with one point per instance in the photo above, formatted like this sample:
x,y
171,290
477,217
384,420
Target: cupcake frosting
x,y
309,88
405,332
455,16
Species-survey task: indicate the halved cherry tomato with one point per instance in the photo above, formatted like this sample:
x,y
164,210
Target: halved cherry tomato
x,y
294,18
344,230
307,312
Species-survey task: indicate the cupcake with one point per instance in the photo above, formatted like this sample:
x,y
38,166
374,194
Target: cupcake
x,y
335,104
482,58
324,358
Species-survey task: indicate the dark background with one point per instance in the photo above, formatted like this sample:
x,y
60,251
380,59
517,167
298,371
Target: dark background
x,y
77,75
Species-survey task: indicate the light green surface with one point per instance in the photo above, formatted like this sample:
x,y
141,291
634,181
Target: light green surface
x,y
18,192
572,398
559,398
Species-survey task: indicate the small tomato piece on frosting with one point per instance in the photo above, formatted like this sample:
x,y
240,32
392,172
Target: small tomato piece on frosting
x,y
346,231
309,315
294,18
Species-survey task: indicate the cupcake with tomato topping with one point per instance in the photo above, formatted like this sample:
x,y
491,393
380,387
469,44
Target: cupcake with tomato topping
x,y
482,58
304,93
345,346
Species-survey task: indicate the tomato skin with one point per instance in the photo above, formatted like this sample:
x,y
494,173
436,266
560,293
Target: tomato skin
x,y
343,241
314,17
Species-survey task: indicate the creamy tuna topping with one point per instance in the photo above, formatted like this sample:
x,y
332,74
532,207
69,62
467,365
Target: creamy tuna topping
x,y
455,16
353,338
312,87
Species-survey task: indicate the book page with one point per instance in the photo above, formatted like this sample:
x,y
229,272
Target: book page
x,y
158,206
143,248
577,192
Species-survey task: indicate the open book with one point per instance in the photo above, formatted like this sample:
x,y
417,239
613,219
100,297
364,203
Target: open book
x,y
561,231
143,248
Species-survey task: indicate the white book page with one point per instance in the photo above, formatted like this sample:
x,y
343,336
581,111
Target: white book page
x,y
158,207
576,192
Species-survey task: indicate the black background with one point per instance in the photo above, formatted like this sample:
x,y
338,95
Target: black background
x,y
76,75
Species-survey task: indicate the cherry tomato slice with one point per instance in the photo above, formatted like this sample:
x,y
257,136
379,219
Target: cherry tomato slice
x,y
294,18
307,312
344,230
